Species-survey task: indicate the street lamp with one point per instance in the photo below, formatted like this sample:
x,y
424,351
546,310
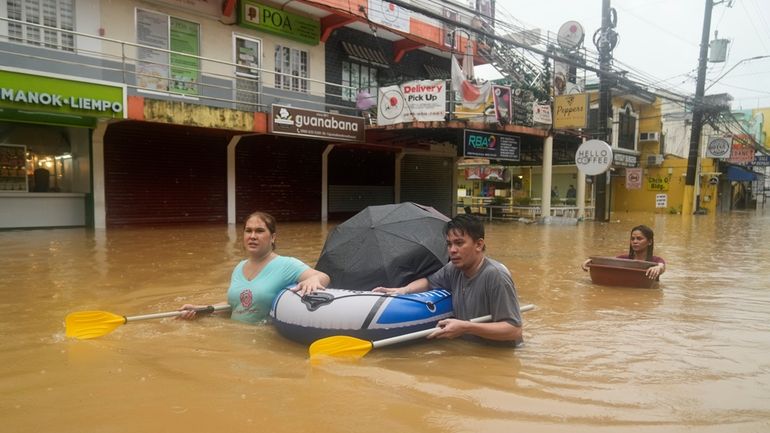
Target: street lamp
x,y
734,66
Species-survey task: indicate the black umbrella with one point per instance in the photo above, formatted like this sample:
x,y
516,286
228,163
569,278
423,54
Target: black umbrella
x,y
390,245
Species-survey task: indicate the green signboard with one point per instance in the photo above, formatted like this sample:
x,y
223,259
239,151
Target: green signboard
x,y
260,17
43,99
185,70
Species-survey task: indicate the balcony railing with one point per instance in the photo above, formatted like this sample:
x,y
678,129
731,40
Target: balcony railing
x,y
215,82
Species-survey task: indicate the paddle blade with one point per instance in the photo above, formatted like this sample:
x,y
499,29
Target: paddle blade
x,y
340,346
91,324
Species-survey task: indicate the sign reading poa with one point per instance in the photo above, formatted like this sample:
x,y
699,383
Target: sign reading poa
x,y
593,157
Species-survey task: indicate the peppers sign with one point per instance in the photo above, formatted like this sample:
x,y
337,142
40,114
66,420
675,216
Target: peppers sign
x,y
593,157
570,111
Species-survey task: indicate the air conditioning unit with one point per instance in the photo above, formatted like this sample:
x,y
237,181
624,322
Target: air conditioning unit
x,y
649,136
654,160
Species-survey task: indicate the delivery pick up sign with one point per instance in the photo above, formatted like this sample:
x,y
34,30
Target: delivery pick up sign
x,y
593,157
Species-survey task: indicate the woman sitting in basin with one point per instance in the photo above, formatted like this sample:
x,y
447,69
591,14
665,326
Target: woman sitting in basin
x,y
640,248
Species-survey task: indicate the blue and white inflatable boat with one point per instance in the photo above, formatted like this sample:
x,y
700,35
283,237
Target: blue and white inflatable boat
x,y
361,314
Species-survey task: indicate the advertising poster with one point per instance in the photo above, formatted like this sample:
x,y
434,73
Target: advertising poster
x,y
152,65
415,101
185,70
503,147
502,98
389,15
633,178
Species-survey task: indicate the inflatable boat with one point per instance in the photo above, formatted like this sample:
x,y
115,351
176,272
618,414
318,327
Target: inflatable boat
x,y
612,271
360,314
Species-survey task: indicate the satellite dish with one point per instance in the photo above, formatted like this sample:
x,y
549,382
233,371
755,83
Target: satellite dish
x,y
570,35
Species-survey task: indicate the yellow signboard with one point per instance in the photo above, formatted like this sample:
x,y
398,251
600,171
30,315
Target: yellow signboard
x,y
658,183
570,111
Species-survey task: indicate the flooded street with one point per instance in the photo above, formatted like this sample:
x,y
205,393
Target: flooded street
x,y
693,355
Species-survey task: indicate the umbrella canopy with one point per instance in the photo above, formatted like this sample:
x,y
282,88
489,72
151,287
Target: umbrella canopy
x,y
390,245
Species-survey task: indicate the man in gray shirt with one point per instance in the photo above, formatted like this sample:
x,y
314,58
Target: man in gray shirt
x,y
480,286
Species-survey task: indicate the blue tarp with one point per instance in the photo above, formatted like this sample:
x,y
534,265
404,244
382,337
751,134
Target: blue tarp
x,y
740,174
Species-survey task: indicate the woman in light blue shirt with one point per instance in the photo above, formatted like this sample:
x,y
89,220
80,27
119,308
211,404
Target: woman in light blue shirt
x,y
257,280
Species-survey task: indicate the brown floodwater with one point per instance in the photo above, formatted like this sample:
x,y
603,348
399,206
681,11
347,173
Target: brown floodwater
x,y
693,355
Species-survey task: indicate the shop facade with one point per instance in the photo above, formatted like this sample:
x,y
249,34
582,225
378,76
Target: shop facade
x,y
45,148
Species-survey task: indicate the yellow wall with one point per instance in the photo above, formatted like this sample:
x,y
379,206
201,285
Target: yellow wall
x,y
624,200
765,126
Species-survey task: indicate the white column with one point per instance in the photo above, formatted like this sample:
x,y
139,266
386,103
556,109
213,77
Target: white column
x,y
545,209
325,183
580,197
97,159
231,178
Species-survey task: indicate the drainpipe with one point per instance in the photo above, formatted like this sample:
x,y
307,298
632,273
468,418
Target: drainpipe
x,y
231,178
325,183
397,181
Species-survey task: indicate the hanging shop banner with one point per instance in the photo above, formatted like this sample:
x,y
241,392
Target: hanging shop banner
x,y
633,178
502,98
49,99
501,147
541,113
658,183
570,111
719,147
389,15
257,16
742,150
316,124
415,101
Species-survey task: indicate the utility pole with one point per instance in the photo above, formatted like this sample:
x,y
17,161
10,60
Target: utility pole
x,y
601,211
691,202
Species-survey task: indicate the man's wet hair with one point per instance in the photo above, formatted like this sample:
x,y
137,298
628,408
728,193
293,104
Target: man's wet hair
x,y
466,224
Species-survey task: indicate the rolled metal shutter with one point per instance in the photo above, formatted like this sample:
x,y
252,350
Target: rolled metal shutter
x,y
427,180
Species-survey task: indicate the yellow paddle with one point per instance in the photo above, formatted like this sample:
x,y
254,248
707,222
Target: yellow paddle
x,y
351,347
92,324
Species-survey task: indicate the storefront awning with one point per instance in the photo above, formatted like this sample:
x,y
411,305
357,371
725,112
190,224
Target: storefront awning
x,y
436,73
740,174
365,54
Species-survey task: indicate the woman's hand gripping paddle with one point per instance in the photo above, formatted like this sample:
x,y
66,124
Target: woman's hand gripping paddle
x,y
93,324
351,347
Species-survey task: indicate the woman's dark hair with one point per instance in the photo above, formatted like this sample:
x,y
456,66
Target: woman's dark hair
x,y
268,219
649,235
466,224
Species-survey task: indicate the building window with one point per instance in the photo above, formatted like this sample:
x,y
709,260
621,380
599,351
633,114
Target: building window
x,y
626,129
178,71
52,13
291,67
357,77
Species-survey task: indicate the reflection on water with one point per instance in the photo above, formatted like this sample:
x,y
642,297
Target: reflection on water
x,y
694,354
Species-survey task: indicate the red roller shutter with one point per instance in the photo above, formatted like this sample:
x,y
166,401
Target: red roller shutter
x,y
156,173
